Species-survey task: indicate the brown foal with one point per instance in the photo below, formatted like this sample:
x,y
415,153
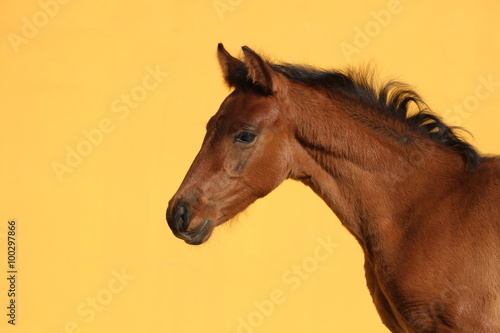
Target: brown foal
x,y
422,203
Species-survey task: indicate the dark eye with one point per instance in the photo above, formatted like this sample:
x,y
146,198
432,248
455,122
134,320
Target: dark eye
x,y
245,137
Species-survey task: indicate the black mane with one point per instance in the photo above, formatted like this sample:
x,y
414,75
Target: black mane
x,y
393,99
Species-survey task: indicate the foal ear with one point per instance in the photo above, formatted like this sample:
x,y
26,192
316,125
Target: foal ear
x,y
233,69
259,71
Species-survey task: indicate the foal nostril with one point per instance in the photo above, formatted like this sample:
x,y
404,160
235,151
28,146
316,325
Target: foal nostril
x,y
182,216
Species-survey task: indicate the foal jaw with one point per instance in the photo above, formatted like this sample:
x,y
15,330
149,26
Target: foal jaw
x,y
200,234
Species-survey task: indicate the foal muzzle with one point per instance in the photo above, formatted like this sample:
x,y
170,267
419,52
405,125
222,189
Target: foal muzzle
x,y
179,218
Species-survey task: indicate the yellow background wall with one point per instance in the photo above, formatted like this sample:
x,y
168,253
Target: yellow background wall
x,y
131,84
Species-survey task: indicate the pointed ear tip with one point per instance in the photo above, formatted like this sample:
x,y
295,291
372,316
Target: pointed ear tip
x,y
248,50
220,46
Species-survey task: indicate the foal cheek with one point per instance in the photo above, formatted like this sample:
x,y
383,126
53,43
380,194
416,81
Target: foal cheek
x,y
268,175
240,165
235,163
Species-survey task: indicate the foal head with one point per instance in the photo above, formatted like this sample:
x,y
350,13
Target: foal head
x,y
246,152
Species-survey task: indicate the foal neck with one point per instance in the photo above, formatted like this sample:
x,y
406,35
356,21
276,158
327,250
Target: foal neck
x,y
369,169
